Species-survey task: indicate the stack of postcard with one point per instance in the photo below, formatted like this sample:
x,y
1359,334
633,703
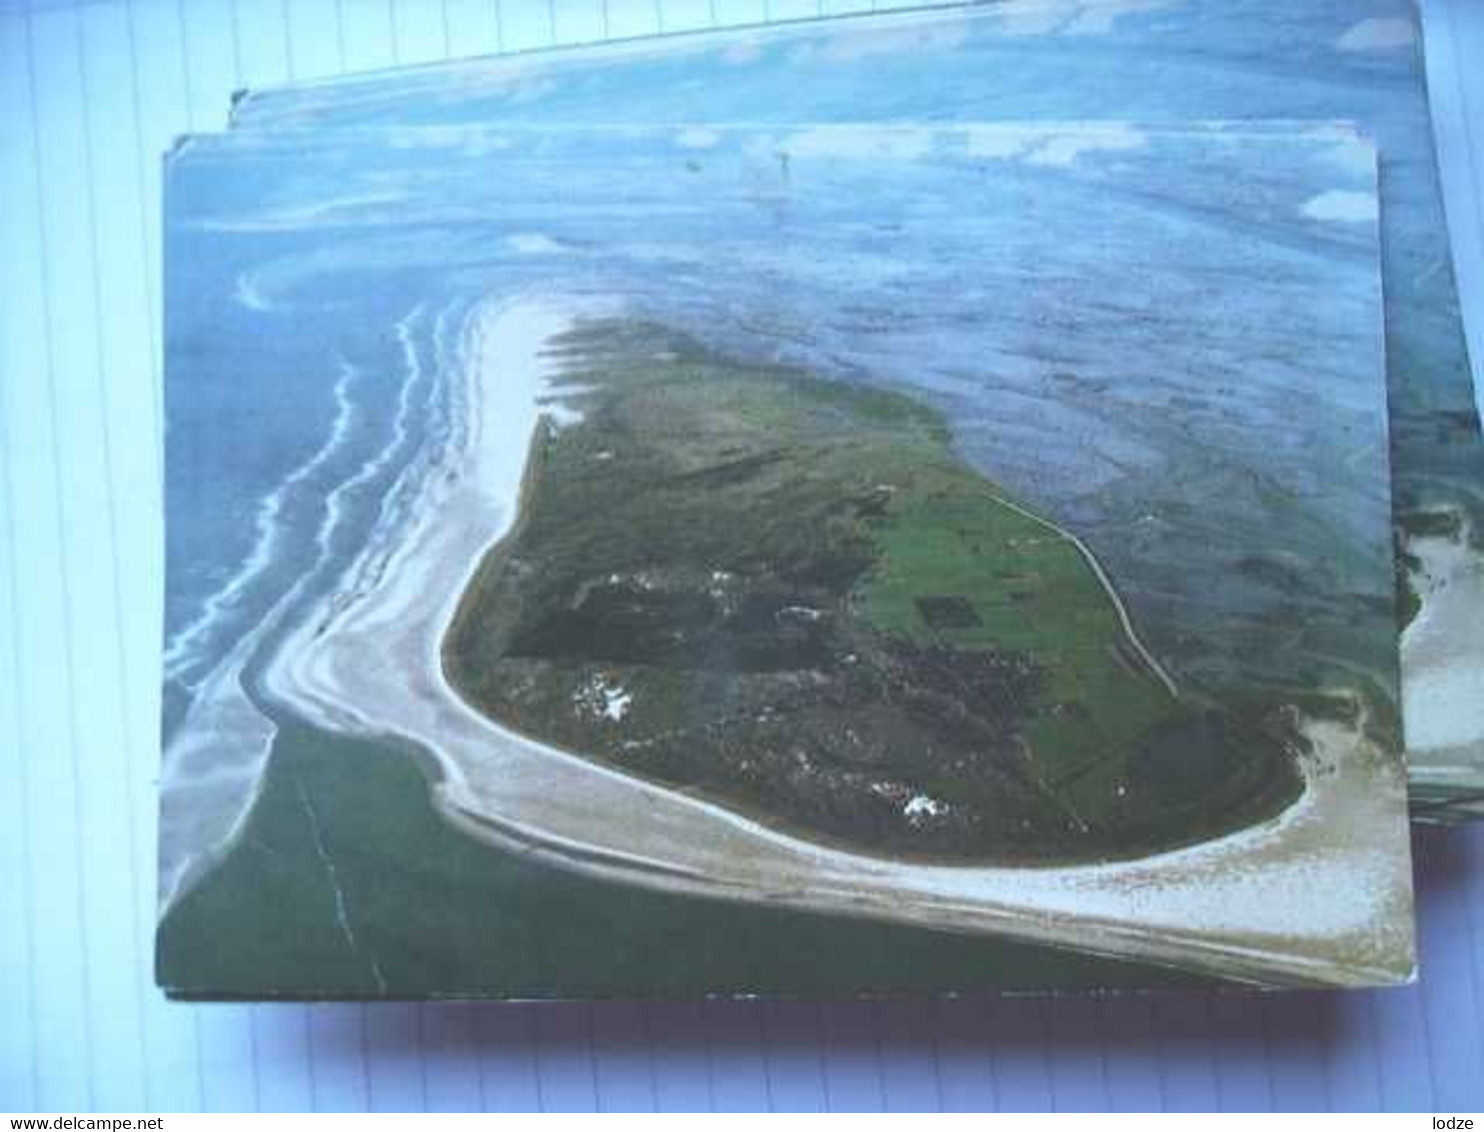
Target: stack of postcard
x,y
929,502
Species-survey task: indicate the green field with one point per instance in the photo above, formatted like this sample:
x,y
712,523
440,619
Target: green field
x,y
792,594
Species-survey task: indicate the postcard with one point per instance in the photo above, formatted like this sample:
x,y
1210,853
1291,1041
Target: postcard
x,y
812,560
1144,60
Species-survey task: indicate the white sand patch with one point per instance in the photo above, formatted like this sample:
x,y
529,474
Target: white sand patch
x,y
1381,33
616,703
1443,689
800,613
1320,893
921,807
603,699
1343,205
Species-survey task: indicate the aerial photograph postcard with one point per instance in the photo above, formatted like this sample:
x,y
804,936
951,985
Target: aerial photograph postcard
x,y
778,560
1124,60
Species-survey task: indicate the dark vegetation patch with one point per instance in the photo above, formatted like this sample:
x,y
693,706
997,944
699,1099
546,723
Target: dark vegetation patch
x,y
1419,522
1432,524
940,612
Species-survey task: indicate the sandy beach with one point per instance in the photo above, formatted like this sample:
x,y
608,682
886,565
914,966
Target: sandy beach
x,y
1318,895
1443,689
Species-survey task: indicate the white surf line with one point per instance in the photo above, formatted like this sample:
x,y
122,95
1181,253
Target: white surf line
x,y
1107,583
401,495
374,467
181,652
207,782
1318,894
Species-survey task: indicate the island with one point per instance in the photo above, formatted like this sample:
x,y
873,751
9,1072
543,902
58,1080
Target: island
x,y
788,594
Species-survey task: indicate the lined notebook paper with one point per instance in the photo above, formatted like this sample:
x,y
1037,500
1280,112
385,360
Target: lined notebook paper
x,y
90,94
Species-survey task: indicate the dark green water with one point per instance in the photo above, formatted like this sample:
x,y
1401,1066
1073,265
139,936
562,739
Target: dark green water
x,y
435,913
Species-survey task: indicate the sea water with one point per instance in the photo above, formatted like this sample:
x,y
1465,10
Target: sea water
x,y
1168,342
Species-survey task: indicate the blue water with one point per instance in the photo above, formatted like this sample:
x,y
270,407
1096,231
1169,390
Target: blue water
x,y
1151,341
1148,60
288,446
